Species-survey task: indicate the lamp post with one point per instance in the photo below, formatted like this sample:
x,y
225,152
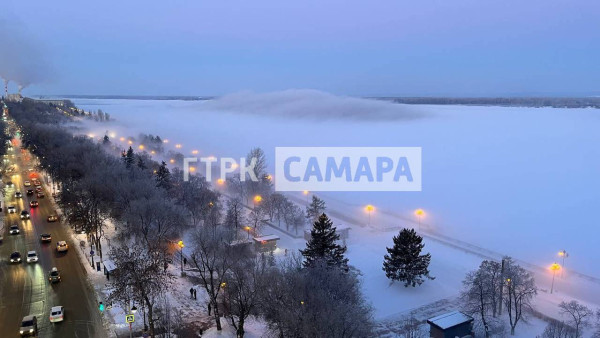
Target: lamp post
x,y
369,209
419,213
564,255
248,230
554,267
305,192
181,246
257,199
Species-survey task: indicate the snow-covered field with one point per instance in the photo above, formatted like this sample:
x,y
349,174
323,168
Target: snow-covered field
x,y
516,181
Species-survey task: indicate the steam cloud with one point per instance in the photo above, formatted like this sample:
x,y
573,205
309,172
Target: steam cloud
x,y
311,104
21,59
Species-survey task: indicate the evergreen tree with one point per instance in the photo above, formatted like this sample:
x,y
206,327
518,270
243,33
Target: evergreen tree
x,y
315,209
128,157
141,163
163,176
106,140
405,262
322,246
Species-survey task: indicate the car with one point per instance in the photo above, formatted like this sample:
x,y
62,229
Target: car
x,y
34,204
29,191
54,275
62,246
32,257
46,238
14,230
27,184
37,183
15,257
29,326
57,314
18,194
10,184
52,218
40,194
25,214
12,209
38,189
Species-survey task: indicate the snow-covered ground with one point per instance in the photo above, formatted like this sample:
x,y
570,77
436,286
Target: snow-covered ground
x,y
517,181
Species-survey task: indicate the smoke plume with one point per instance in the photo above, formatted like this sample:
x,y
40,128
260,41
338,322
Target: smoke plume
x,y
22,60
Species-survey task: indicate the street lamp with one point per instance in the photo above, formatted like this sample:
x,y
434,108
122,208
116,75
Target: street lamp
x,y
419,213
220,181
247,228
305,192
181,246
554,267
134,309
257,199
369,208
564,254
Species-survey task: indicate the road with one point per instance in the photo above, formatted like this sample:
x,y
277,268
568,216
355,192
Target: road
x,y
24,288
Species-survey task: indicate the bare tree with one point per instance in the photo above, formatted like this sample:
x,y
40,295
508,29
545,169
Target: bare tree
x,y
139,275
244,284
234,216
481,292
411,328
520,291
212,257
558,329
578,315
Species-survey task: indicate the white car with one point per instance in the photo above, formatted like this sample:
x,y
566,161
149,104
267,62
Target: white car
x,y
27,184
57,314
12,209
32,257
62,246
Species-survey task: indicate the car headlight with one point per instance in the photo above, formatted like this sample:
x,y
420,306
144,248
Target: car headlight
x,y
21,331
30,330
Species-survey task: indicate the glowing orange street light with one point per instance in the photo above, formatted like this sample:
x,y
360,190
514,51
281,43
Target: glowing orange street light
x,y
141,147
419,213
305,192
152,152
194,152
269,177
192,169
130,142
220,181
247,228
178,146
181,246
369,208
165,141
564,254
554,267
172,161
122,139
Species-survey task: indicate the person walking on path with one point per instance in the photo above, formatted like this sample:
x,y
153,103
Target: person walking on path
x,y
195,295
192,293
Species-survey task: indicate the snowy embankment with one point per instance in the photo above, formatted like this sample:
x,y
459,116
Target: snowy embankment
x,y
515,181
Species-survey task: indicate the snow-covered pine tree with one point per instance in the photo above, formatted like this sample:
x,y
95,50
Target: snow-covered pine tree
x,y
163,176
128,157
404,261
315,209
322,246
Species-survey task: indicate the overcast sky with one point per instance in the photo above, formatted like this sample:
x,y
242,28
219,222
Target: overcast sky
x,y
364,48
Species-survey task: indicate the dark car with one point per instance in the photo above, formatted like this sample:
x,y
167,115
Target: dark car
x,y
29,326
40,194
15,257
46,238
52,218
14,229
18,194
29,191
34,204
54,276
24,214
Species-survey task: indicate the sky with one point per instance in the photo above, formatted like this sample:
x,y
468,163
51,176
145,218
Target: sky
x,y
356,48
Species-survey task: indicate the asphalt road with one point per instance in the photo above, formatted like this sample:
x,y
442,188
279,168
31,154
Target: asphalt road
x,y
24,287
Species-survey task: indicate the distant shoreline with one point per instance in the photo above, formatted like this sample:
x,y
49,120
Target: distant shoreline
x,y
533,102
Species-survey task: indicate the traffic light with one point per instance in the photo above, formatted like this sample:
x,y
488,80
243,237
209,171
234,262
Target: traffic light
x,y
101,307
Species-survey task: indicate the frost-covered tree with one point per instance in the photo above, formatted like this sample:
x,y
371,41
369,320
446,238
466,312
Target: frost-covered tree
x,y
578,315
163,176
520,291
322,246
404,261
128,157
315,209
480,293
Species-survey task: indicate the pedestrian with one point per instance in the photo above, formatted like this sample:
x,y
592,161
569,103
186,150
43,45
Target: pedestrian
x,y
195,296
184,261
166,266
192,293
209,308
